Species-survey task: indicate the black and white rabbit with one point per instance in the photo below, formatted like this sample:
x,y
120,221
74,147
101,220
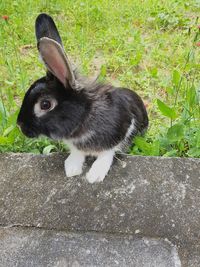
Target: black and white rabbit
x,y
92,118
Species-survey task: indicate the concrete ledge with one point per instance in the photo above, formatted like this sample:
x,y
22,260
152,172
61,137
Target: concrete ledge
x,y
34,247
142,196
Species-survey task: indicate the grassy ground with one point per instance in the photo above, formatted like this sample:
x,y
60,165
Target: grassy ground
x,y
150,46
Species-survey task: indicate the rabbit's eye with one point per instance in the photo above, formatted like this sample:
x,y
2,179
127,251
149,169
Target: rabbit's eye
x,y
45,105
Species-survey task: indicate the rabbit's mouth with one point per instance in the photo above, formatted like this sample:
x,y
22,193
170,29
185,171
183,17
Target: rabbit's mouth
x,y
27,131
30,134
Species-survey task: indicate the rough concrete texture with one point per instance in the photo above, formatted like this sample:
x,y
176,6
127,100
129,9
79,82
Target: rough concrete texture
x,y
42,248
144,196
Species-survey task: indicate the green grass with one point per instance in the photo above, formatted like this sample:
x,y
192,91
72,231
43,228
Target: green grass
x,y
149,46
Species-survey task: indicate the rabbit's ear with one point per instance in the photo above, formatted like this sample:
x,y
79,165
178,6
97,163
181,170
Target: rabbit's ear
x,y
45,27
57,62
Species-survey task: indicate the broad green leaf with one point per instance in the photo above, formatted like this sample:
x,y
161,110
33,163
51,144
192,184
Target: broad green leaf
x,y
171,153
176,77
48,149
176,132
142,144
151,149
197,139
5,140
194,152
8,130
2,108
155,150
191,96
166,110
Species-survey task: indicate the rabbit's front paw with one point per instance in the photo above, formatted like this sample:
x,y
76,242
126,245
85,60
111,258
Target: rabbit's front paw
x,y
95,176
72,169
74,164
100,167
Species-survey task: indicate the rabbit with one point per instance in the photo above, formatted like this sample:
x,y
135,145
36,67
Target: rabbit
x,y
91,118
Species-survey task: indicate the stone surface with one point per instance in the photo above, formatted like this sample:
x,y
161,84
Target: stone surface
x,y
41,248
143,196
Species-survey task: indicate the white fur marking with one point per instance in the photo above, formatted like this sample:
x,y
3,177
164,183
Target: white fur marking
x,y
74,163
100,167
130,130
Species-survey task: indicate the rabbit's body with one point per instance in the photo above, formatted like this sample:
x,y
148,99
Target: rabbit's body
x,y
109,119
93,119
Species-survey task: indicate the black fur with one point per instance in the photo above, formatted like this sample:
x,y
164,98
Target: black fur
x,y
45,27
94,118
62,120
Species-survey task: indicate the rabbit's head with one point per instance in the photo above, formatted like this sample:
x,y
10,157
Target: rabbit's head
x,y
55,104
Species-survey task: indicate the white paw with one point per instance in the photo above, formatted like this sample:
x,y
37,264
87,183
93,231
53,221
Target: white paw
x,y
93,176
100,167
73,166
72,170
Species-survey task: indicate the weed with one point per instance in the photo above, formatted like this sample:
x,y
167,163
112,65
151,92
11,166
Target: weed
x,y
152,47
